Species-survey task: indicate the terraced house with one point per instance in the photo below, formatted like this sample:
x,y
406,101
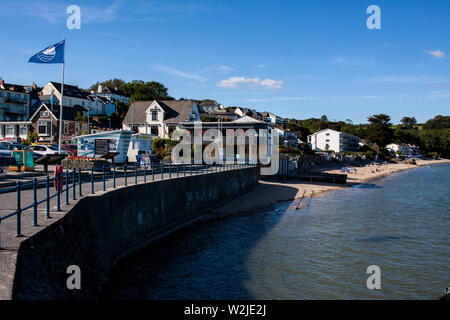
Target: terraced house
x,y
332,140
15,102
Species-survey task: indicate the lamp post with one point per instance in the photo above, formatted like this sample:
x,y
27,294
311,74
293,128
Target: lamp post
x,y
88,128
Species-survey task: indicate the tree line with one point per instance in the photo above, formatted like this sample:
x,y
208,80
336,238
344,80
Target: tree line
x,y
432,137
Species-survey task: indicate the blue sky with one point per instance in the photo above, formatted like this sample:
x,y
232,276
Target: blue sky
x,y
297,59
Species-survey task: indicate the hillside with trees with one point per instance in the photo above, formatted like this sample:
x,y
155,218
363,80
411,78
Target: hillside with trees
x,y
137,90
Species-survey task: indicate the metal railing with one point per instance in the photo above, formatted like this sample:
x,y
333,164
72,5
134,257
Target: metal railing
x,y
71,182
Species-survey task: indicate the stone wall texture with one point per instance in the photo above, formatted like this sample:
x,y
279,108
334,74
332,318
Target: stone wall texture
x,y
102,228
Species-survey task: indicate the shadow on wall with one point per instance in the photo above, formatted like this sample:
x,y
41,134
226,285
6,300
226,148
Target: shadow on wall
x,y
100,229
204,261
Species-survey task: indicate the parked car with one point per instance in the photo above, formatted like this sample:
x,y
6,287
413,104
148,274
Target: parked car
x,y
42,150
71,149
14,146
4,151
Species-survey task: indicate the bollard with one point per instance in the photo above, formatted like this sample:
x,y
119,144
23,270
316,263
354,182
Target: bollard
x,y
35,205
19,213
170,170
153,172
47,186
184,169
73,185
145,172
162,171
135,173
67,187
178,170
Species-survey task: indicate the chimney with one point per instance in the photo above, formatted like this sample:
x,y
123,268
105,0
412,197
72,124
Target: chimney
x,y
100,88
2,82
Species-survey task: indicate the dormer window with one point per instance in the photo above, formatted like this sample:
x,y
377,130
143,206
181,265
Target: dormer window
x,y
154,114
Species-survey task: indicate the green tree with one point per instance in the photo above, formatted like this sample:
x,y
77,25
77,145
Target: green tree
x,y
379,130
408,122
112,83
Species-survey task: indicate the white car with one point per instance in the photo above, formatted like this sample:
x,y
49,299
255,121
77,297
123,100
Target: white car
x,y
42,150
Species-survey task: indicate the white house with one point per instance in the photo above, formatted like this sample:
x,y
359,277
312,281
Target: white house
x,y
72,95
100,106
160,117
113,94
332,140
403,148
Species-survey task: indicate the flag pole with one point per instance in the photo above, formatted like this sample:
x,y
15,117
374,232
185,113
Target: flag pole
x,y
62,100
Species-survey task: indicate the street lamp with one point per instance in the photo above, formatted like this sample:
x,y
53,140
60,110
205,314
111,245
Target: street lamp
x,y
88,128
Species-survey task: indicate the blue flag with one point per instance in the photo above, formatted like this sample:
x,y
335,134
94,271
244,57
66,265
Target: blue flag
x,y
51,54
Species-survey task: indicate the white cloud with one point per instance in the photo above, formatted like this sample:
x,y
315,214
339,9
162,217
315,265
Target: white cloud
x,y
425,79
179,73
260,66
438,54
440,94
220,68
338,59
236,82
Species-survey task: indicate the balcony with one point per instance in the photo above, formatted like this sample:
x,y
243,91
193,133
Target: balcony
x,y
16,101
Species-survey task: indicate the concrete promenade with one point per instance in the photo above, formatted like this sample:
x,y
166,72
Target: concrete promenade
x,y
9,242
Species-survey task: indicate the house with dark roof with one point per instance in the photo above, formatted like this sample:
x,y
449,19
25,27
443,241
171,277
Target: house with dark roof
x,y
73,95
113,94
45,122
160,117
15,102
208,106
100,106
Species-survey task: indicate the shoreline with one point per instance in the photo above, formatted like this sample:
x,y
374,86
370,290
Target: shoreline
x,y
268,193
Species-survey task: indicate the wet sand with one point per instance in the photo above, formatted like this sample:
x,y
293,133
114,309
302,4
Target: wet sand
x,y
269,193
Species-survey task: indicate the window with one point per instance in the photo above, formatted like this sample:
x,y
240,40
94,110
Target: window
x,y
66,128
42,127
172,128
154,130
327,140
10,130
154,115
23,130
77,127
327,134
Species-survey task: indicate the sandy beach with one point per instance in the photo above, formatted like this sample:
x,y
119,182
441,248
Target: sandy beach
x,y
268,193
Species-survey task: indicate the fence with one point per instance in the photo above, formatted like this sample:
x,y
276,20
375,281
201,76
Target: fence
x,y
72,180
